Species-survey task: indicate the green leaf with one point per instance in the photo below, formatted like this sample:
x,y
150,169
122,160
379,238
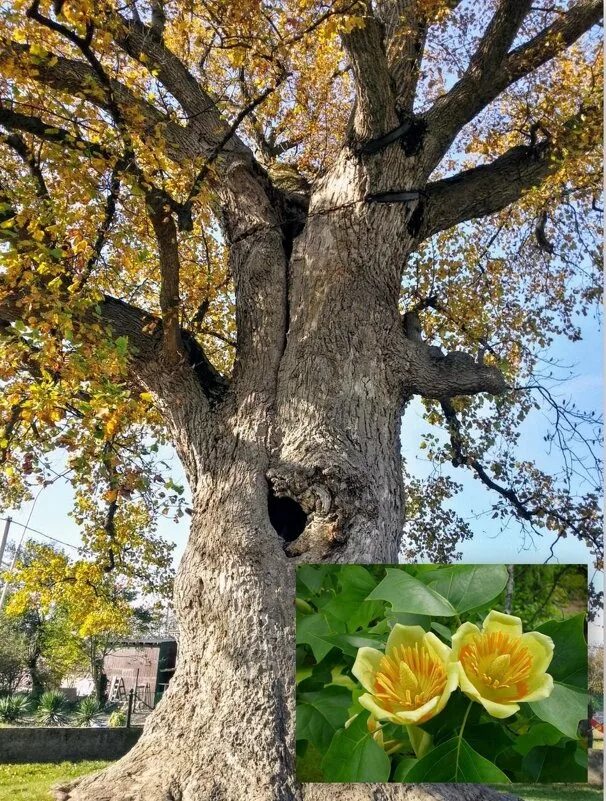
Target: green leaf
x,y
569,663
564,709
353,756
540,734
443,631
350,643
320,714
308,763
349,604
455,761
489,739
312,576
549,764
468,586
404,767
408,594
122,345
310,631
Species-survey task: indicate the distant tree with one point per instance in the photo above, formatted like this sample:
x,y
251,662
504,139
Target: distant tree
x,y
13,656
596,671
72,612
541,592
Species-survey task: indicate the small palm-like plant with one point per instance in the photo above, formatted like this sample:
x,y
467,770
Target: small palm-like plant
x,y
14,708
52,709
87,711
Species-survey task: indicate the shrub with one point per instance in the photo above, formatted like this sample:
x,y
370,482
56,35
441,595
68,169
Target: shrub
x,y
52,709
117,719
87,711
14,708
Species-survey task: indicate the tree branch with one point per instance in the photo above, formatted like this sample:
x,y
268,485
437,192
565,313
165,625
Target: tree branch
x,y
492,69
204,117
144,333
374,112
433,374
405,33
168,254
489,188
585,527
77,78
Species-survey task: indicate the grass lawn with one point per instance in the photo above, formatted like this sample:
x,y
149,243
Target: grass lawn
x,y
33,781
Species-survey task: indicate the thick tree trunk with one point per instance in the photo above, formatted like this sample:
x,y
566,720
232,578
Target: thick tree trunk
x,y
322,431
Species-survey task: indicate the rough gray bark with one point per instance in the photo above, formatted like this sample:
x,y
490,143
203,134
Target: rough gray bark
x,y
313,412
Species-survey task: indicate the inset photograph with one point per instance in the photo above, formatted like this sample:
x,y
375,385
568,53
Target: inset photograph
x,y
442,673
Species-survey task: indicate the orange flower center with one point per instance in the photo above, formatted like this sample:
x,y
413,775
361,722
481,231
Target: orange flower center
x,y
409,677
499,662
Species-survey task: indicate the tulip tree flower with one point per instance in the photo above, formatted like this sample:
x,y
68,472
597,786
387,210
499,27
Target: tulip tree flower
x,y
500,666
411,682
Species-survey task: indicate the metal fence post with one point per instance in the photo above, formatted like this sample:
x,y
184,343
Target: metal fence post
x,y
129,711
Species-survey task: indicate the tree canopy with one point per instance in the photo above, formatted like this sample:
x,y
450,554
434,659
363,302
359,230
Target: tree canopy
x,y
120,125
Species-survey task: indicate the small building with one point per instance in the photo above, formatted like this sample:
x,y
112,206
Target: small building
x,y
145,666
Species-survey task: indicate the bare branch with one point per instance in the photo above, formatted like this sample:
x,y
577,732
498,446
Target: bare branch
x,y
405,34
582,521
168,254
491,187
493,69
374,113
433,374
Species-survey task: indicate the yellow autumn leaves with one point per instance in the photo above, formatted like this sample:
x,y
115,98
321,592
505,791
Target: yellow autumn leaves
x,y
498,666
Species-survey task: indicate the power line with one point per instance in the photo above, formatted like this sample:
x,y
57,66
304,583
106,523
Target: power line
x,y
41,533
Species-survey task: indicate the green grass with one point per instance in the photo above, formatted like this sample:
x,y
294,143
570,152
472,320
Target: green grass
x,y
32,782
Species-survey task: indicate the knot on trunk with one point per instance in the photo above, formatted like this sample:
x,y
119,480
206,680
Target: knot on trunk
x,y
313,509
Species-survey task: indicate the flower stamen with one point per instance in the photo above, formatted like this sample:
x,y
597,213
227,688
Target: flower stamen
x,y
499,661
408,678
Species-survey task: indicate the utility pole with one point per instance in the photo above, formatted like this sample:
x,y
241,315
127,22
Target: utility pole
x,y
7,526
12,564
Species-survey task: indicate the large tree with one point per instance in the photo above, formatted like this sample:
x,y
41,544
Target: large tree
x,y
257,230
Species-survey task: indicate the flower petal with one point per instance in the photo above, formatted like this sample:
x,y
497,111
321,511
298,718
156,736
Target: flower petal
x,y
541,648
499,621
436,647
499,710
404,635
541,689
452,682
460,637
492,707
408,716
365,667
368,702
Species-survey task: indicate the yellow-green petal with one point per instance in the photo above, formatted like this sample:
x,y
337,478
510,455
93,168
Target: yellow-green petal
x,y
541,649
497,710
436,647
368,702
541,689
404,635
499,621
366,666
460,637
408,716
